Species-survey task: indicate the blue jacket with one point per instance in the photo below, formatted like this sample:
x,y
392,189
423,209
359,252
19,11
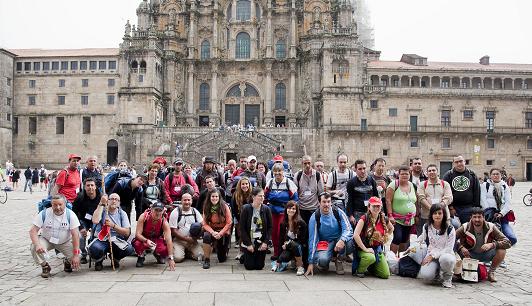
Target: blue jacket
x,y
328,231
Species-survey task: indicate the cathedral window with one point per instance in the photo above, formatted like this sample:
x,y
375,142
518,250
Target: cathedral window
x,y
205,50
280,96
280,49
341,68
243,10
204,97
242,45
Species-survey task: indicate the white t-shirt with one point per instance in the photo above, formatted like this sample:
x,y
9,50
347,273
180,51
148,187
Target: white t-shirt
x,y
341,181
186,220
56,229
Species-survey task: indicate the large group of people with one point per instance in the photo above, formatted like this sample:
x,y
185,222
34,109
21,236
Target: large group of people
x,y
305,220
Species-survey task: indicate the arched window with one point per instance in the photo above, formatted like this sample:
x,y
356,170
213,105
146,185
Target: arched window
x,y
280,96
243,10
249,91
341,69
204,103
134,64
143,64
242,45
280,49
205,50
234,91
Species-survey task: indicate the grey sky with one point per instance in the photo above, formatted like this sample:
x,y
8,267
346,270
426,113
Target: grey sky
x,y
444,30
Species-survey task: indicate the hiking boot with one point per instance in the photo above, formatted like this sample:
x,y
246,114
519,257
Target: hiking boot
x,y
117,263
207,263
339,266
447,283
160,261
140,262
491,277
67,267
300,271
83,260
98,266
46,271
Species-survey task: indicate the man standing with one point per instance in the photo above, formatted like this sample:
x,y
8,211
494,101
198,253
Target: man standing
x,y
59,231
84,206
243,161
112,220
337,182
228,179
320,168
68,180
380,178
129,190
28,175
185,224
209,168
465,187
330,234
309,185
430,192
252,173
359,189
92,171
174,182
42,177
482,240
416,174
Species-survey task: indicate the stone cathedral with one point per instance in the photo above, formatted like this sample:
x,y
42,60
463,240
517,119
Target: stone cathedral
x,y
235,77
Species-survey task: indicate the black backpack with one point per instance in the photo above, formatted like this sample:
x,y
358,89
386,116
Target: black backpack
x,y
180,211
408,267
317,216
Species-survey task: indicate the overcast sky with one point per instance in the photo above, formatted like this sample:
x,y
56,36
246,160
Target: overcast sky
x,y
442,30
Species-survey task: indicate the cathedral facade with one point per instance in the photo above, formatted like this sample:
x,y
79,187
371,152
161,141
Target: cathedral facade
x,y
235,77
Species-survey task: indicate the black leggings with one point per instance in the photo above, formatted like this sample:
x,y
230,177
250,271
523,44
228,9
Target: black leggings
x,y
221,245
293,249
255,260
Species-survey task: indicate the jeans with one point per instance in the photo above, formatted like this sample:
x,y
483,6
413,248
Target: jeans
x,y
508,231
83,240
323,258
98,249
463,213
445,264
28,183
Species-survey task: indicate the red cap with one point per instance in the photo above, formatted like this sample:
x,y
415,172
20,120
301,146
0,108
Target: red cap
x,y
375,201
278,158
72,156
159,160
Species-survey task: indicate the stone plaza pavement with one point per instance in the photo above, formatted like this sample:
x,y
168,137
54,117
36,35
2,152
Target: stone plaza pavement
x,y
230,284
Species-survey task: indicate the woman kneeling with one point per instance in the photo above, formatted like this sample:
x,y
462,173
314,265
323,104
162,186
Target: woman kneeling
x,y
217,228
370,236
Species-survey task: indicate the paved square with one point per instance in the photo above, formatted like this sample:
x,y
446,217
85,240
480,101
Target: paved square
x,y
230,284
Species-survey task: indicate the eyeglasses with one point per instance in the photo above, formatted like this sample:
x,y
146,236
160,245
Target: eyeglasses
x,y
306,163
114,199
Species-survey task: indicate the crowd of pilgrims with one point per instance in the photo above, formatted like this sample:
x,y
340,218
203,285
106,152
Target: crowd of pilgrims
x,y
363,214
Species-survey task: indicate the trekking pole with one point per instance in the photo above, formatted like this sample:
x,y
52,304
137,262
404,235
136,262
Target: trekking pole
x,y
110,244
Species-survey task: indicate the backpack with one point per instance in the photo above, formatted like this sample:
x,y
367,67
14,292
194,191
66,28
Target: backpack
x,y
415,187
426,227
408,267
317,216
335,177
53,180
300,173
111,178
426,183
42,173
47,203
68,211
180,211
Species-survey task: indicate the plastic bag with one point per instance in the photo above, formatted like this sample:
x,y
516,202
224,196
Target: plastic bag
x,y
393,262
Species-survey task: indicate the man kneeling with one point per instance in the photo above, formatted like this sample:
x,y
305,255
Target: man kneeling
x,y
330,235
185,224
58,228
110,218
483,241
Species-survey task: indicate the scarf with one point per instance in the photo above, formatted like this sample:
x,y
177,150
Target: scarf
x,y
497,195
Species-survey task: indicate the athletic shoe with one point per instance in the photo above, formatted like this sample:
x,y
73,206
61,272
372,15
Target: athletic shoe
x,y
83,260
206,263
67,267
447,283
300,271
46,271
339,267
140,262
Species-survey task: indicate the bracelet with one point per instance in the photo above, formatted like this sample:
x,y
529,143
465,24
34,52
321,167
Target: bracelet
x,y
171,257
76,251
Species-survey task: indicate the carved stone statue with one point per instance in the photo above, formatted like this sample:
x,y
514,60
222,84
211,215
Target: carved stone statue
x,y
127,30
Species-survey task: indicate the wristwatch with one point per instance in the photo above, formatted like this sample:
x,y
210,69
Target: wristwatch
x,y
171,257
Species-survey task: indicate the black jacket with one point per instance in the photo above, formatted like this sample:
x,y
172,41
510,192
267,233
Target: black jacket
x,y
358,192
465,187
245,223
127,195
301,235
84,205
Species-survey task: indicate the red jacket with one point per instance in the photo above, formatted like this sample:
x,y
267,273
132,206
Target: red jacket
x,y
173,189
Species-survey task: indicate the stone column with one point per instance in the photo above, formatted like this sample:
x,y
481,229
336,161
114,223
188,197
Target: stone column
x,y
269,30
252,11
268,93
293,30
170,70
233,10
292,101
215,31
214,90
192,31
190,94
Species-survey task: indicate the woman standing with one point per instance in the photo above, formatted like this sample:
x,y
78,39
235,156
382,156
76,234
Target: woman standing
x,y
154,190
371,233
401,206
293,238
241,196
216,223
255,230
439,237
279,190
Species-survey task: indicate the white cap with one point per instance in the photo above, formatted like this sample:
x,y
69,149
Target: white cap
x,y
252,157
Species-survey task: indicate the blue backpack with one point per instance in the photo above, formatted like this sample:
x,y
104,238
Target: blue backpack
x,y
68,211
47,202
111,178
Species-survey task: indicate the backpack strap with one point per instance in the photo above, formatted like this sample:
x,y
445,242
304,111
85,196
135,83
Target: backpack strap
x,y
298,177
43,215
336,214
335,179
180,211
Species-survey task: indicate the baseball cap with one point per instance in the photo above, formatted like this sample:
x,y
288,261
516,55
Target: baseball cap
x,y
195,230
278,158
73,156
178,161
375,201
157,205
252,157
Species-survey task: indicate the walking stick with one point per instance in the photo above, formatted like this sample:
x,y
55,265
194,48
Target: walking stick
x,y
109,234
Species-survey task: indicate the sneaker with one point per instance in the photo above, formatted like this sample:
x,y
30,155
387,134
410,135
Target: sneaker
x,y
206,263
491,277
237,257
117,264
360,275
67,267
447,283
140,262
98,266
300,271
339,267
46,271
83,260
503,265
274,266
